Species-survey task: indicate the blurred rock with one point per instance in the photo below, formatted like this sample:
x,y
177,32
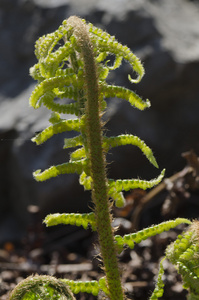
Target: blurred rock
x,y
164,34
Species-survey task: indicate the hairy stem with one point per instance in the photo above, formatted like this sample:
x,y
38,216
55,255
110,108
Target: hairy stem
x,y
97,162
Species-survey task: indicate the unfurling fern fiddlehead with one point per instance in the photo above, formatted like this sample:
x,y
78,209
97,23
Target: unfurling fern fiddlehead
x,y
73,63
41,287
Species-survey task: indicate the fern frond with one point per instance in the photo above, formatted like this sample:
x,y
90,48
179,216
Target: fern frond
x,y
50,84
70,108
177,248
118,49
117,63
35,72
65,168
43,45
184,254
101,57
46,44
55,117
108,44
54,59
85,181
141,235
118,197
190,279
62,126
78,154
126,94
47,100
70,92
99,33
127,184
49,58
103,72
129,139
159,288
73,142
91,287
72,219
64,72
103,64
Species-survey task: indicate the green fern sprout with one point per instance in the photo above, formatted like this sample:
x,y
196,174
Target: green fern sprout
x,y
159,289
41,287
137,237
184,254
73,63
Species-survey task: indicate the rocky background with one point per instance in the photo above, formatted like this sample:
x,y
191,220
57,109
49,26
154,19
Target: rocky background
x,y
164,34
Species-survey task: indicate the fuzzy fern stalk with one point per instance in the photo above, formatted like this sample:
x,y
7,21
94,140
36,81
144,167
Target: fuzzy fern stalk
x,y
73,63
96,158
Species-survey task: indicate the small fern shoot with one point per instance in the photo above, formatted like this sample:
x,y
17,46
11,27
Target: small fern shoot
x,y
73,63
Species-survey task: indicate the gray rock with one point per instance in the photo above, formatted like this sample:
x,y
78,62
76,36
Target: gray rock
x,y
164,34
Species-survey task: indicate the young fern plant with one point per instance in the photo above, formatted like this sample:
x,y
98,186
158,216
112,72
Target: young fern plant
x,y
184,255
73,63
